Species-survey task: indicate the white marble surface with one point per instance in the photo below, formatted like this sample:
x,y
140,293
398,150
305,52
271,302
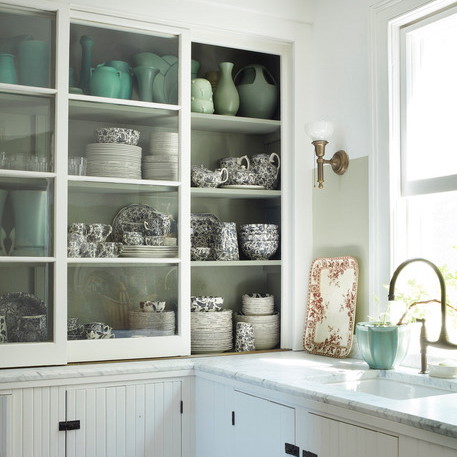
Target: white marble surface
x,y
296,373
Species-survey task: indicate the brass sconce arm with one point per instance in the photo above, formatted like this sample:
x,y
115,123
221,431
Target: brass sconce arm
x,y
339,162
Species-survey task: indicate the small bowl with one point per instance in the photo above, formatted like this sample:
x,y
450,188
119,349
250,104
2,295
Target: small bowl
x,y
445,369
117,135
200,253
259,250
206,303
97,331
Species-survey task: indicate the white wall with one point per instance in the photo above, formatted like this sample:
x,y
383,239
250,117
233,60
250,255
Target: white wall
x,y
341,72
341,93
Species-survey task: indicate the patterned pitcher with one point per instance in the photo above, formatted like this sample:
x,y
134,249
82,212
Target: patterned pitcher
x,y
267,173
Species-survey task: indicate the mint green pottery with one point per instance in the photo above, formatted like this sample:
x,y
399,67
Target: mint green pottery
x,y
226,98
7,69
258,92
382,347
145,77
33,61
126,77
105,82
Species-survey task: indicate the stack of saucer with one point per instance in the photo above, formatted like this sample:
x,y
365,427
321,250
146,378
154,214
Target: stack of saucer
x,y
162,161
114,160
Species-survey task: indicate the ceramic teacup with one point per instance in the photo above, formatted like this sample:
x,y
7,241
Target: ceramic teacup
x,y
99,232
97,330
152,306
154,240
133,238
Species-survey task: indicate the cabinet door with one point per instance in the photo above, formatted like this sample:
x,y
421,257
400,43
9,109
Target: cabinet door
x,y
331,438
214,431
261,427
33,422
142,419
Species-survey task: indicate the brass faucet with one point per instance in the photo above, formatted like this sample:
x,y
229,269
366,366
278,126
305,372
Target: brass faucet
x,y
443,339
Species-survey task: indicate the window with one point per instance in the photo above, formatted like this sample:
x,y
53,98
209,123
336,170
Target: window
x,y
414,165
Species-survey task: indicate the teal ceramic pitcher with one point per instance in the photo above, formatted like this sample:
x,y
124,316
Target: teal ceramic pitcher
x,y
105,82
126,77
7,69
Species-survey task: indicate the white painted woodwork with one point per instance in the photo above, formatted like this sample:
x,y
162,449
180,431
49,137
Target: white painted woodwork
x,y
213,419
262,427
34,422
412,447
332,438
126,420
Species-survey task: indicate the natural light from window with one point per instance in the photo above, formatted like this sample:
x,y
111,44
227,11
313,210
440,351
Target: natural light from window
x,y
425,203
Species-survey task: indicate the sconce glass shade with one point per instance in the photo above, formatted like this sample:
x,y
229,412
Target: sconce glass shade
x,y
319,130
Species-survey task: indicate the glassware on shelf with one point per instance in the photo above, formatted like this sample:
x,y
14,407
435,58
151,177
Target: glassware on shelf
x,y
77,166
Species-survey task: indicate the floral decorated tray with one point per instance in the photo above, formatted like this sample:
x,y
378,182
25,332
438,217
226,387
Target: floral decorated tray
x,y
330,314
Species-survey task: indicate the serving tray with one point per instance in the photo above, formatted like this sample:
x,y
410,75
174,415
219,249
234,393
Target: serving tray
x,y
330,314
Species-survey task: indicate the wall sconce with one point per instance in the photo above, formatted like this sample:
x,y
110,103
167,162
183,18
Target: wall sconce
x,y
318,131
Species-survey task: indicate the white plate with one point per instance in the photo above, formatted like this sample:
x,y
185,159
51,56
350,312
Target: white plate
x,y
242,186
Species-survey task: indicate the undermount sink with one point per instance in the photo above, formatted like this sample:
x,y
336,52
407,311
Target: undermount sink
x,y
395,389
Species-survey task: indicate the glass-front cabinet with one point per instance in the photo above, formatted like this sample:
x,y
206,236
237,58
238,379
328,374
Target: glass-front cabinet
x,y
112,245
124,298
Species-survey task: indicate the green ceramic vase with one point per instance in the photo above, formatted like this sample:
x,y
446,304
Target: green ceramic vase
x,y
382,347
226,98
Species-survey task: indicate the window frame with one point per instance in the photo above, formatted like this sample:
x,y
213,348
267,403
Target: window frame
x,y
386,22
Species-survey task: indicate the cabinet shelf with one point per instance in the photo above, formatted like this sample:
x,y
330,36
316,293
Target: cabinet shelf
x,y
12,260
100,185
235,263
234,124
89,108
122,261
235,193
18,89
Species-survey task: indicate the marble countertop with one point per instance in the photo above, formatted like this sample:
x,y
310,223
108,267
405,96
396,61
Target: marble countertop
x,y
296,373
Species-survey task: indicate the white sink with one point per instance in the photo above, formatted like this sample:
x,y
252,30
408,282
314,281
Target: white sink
x,y
394,389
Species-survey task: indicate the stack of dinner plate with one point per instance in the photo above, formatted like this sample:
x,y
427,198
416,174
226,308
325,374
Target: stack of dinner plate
x,y
114,160
149,251
266,329
211,331
163,323
162,161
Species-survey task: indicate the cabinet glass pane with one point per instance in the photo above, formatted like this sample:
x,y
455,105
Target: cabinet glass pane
x,y
154,156
100,214
27,47
26,132
4,428
26,215
26,302
127,65
123,297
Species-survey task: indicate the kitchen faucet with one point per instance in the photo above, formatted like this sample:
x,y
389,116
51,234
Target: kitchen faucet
x,y
443,339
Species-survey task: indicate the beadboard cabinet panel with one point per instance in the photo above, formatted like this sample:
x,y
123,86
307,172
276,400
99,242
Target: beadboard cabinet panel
x,y
412,447
331,438
126,420
35,416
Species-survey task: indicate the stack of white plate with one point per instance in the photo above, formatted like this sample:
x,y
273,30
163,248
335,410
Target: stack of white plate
x,y
160,322
211,331
266,329
163,166
149,251
114,160
162,161
163,143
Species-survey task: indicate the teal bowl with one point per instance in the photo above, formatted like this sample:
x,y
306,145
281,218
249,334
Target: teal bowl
x,y
382,347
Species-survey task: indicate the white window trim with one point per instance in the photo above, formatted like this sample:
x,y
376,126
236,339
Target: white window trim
x,y
386,19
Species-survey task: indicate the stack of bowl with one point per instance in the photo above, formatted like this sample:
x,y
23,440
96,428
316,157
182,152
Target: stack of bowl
x,y
159,322
258,310
259,241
